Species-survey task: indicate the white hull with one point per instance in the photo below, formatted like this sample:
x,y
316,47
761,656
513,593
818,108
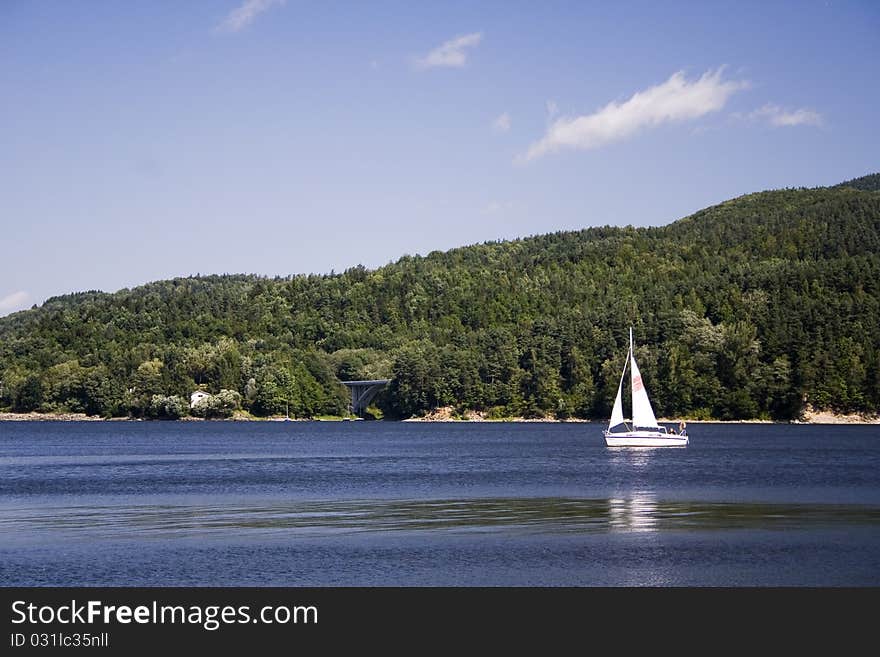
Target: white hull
x,y
644,439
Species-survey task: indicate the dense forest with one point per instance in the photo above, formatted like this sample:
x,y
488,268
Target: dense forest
x,y
869,183
753,308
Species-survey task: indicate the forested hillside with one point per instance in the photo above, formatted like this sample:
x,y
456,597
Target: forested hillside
x,y
869,183
751,308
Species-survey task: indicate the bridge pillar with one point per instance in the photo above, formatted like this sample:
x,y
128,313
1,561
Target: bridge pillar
x,y
363,392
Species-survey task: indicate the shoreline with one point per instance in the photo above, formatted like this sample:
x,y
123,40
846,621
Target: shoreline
x,y
441,416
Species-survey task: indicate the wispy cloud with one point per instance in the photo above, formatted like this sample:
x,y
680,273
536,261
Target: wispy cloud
x,y
14,301
452,54
502,123
242,16
677,99
777,116
552,108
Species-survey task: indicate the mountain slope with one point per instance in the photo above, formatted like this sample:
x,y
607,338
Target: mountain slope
x,y
869,183
750,308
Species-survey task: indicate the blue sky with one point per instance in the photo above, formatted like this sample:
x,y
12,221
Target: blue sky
x,y
146,140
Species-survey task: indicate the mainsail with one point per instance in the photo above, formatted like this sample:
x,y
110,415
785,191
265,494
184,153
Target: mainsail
x,y
643,414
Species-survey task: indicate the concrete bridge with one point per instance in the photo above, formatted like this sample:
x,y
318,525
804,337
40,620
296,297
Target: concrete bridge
x,y
363,392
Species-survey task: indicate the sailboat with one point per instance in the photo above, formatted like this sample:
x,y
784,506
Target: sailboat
x,y
644,432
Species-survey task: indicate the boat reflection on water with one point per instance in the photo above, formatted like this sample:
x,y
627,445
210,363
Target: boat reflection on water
x,y
637,513
633,463
637,457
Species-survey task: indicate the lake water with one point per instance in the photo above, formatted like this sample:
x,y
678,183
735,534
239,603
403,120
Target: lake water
x,y
376,503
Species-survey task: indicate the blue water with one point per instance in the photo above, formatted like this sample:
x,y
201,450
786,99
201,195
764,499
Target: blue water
x,y
375,503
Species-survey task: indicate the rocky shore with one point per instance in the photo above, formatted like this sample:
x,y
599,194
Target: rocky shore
x,y
447,414
49,417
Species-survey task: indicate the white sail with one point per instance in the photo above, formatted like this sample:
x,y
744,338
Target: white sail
x,y
643,414
617,411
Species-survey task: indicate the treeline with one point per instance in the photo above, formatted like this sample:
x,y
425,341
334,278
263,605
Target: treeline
x,y
752,308
869,183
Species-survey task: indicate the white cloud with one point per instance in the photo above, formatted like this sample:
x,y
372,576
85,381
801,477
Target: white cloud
x,y
780,117
552,109
502,123
14,301
450,54
242,16
677,99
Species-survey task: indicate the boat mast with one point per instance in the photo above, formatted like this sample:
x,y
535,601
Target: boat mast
x,y
632,391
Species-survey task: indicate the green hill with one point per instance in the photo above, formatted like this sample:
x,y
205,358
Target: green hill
x,y
750,308
869,183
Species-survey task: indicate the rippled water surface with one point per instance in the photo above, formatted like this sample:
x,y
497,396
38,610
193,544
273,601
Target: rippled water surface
x,y
358,503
